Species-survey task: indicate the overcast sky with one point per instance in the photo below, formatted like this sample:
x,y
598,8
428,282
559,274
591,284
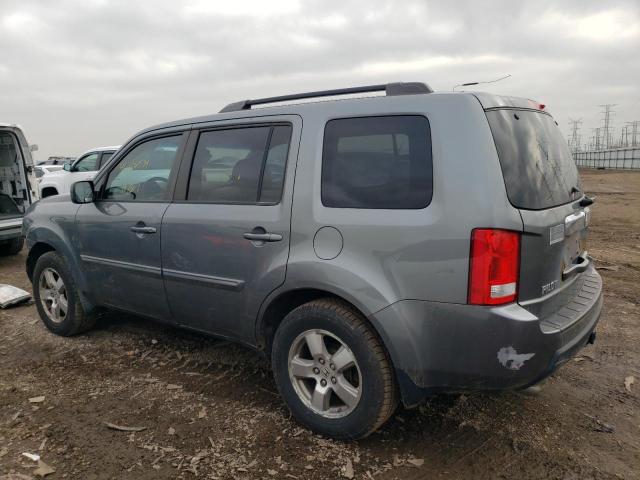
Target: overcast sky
x,y
83,73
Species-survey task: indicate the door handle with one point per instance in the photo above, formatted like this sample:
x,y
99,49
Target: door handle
x,y
143,229
263,237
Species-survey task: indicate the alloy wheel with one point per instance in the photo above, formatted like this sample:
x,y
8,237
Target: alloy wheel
x,y
53,295
324,373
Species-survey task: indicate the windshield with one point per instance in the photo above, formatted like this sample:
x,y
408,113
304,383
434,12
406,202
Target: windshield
x,y
537,166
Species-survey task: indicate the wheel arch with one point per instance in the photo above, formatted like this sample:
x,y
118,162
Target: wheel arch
x,y
48,191
50,238
283,301
35,252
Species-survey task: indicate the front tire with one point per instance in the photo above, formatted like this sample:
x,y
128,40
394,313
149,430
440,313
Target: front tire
x,y
332,370
57,297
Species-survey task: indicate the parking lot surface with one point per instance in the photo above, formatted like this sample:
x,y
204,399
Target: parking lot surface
x,y
204,408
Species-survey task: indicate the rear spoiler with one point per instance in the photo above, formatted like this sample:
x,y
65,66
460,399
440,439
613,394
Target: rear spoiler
x,y
489,101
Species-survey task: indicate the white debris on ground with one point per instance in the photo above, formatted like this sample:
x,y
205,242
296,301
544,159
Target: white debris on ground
x,y
10,295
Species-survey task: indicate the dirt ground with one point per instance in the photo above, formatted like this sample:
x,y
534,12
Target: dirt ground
x,y
210,408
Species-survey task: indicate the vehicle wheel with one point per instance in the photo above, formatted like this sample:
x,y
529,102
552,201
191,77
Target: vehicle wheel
x,y
12,247
57,297
332,370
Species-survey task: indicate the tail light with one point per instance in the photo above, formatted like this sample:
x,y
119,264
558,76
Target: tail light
x,y
493,266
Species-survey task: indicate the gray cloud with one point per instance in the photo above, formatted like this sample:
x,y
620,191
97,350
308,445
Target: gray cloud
x,y
80,73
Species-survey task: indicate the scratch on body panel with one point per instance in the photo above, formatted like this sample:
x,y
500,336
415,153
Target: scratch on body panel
x,y
511,359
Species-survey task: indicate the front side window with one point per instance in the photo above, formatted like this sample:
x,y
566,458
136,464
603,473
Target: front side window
x,y
240,165
377,163
88,163
142,175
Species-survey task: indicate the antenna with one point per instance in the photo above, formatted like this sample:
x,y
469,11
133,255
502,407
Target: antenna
x,y
478,83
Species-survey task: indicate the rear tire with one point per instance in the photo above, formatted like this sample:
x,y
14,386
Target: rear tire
x,y
12,247
332,370
57,297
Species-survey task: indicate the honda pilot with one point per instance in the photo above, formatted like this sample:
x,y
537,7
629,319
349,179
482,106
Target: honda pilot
x,y
376,249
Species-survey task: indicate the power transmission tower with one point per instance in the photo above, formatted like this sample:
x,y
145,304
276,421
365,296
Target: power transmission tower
x,y
574,139
635,129
624,137
595,140
606,133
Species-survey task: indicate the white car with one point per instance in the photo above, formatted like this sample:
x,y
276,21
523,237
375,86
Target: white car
x,y
41,170
84,168
17,186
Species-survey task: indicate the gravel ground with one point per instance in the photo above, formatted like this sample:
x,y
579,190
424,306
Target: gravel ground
x,y
209,409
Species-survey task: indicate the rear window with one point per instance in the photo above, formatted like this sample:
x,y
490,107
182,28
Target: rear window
x,y
537,166
377,163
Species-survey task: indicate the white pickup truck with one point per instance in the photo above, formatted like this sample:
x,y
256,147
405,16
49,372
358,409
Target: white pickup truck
x,y
84,168
17,186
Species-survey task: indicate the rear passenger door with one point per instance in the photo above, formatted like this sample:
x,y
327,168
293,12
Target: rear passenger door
x,y
225,238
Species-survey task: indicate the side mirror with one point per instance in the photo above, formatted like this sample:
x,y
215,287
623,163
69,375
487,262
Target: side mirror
x,y
82,192
33,148
66,167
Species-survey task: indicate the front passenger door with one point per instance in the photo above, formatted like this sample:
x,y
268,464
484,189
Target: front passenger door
x,y
119,234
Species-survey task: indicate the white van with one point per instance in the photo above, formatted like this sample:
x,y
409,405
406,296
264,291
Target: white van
x,y
17,186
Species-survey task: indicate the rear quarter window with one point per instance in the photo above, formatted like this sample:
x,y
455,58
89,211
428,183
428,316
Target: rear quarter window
x,y
377,163
536,164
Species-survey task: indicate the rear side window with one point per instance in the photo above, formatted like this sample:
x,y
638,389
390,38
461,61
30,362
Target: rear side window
x,y
377,163
536,163
240,165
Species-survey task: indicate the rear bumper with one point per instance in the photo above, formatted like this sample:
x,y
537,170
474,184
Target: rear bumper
x,y
452,347
10,228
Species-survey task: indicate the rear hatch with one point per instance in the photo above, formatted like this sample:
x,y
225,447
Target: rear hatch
x,y
543,183
15,187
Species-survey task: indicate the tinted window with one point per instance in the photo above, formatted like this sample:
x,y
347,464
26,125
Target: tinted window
x,y
275,166
536,163
143,173
228,165
88,163
377,162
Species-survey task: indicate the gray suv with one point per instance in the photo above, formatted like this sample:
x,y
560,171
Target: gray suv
x,y
376,249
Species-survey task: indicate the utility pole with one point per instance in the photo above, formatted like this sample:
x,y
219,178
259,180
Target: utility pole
x,y
606,133
574,139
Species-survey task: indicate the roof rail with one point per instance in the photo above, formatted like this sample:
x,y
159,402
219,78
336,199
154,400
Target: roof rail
x,y
391,89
